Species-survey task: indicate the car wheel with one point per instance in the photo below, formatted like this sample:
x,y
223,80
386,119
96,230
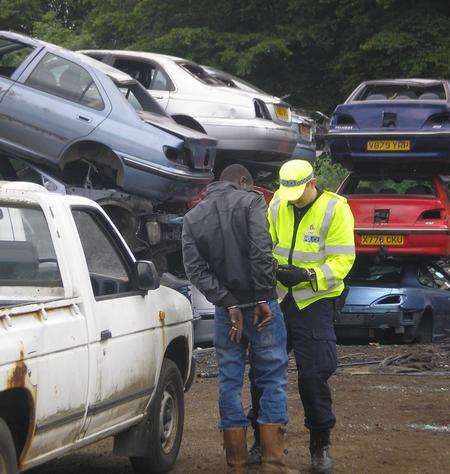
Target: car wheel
x,y
424,332
166,420
8,456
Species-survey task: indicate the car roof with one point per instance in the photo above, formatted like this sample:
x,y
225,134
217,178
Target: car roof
x,y
113,73
143,54
412,81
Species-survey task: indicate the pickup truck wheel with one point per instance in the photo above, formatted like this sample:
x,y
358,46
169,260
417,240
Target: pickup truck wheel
x,y
166,420
8,456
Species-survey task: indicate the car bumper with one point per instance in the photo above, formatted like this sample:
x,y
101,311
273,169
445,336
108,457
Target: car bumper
x,y
305,151
417,241
249,137
363,324
432,146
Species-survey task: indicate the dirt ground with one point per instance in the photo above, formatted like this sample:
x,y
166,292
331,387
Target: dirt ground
x,y
393,419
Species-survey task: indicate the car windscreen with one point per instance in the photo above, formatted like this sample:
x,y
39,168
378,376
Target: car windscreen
x,y
401,91
392,185
139,98
27,256
200,73
371,272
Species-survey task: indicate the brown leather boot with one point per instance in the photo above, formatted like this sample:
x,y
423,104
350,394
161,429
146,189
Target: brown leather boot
x,y
235,440
272,446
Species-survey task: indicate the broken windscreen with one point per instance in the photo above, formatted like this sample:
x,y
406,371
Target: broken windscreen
x,y
139,98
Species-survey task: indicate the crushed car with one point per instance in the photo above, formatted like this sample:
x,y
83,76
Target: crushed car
x,y
399,211
251,126
98,130
74,366
401,120
396,299
303,125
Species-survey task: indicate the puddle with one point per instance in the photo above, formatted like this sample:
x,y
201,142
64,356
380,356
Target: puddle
x,y
432,428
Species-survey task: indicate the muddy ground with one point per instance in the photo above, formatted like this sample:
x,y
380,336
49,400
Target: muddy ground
x,y
392,419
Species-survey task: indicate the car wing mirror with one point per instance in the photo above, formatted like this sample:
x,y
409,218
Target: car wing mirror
x,y
146,275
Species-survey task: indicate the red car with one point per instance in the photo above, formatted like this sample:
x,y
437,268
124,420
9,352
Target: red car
x,y
399,212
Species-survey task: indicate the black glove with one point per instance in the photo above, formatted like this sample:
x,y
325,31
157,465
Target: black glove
x,y
290,275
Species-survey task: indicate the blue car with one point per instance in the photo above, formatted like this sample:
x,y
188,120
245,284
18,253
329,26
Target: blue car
x,y
396,299
401,120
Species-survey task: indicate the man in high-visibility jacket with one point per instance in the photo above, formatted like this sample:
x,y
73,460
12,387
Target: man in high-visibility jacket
x,y
312,233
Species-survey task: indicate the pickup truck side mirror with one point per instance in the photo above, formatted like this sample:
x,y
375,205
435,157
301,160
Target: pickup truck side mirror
x,y
147,276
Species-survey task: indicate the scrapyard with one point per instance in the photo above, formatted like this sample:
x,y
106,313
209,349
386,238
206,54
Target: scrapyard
x,y
105,345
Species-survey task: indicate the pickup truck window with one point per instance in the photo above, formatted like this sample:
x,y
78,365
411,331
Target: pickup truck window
x,y
12,55
27,255
58,76
109,270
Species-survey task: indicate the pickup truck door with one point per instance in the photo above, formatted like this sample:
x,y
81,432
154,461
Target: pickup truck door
x,y
123,341
53,103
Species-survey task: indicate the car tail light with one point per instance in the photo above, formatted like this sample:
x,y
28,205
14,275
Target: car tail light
x,y
261,110
431,214
176,155
392,299
439,120
344,122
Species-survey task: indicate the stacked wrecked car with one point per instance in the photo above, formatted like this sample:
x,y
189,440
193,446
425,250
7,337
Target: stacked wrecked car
x,y
393,136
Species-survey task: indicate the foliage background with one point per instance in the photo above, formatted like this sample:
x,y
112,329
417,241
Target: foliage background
x,y
315,50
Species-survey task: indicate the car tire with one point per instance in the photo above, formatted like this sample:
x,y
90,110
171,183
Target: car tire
x,y
166,420
8,455
424,334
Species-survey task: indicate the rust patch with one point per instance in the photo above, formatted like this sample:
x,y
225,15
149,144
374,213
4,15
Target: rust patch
x,y
17,375
162,318
18,378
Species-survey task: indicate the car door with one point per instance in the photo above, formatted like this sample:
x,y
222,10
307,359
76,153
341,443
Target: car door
x,y
150,75
123,341
50,106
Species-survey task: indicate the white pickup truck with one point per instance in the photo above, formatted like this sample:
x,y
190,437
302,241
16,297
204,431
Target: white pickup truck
x,y
90,345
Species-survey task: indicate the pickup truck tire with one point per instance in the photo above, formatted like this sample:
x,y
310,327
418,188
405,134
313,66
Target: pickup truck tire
x,y
8,456
166,420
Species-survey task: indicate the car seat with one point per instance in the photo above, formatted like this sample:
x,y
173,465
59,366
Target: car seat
x,y
429,96
419,189
69,84
376,97
43,80
363,190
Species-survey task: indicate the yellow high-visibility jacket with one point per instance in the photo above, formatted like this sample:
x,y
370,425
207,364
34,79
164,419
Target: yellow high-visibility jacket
x,y
324,243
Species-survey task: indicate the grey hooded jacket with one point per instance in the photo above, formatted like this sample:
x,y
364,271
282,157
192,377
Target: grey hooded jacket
x,y
227,249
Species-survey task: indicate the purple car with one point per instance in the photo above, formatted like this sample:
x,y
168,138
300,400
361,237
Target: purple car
x,y
393,121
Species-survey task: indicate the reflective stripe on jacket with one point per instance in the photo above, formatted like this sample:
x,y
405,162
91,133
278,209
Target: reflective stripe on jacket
x,y
324,243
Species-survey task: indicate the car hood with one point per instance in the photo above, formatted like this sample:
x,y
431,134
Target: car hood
x,y
169,125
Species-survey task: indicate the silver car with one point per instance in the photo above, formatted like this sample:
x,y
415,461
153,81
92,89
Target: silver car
x,y
302,125
66,111
251,126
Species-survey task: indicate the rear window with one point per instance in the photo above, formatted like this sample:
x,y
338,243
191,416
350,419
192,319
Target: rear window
x,y
200,74
371,272
27,255
422,186
401,92
139,98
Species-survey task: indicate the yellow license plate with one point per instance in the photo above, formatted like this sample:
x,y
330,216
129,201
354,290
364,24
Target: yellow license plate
x,y
282,113
388,145
389,240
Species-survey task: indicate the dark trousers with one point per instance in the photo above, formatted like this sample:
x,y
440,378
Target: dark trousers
x,y
310,334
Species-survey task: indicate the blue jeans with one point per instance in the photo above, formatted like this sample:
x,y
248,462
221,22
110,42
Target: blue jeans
x,y
268,360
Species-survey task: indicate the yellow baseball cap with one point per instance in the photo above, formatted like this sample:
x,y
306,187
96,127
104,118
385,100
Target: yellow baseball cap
x,y
294,175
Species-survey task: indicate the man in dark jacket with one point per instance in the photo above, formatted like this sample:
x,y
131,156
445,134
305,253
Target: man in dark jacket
x,y
227,253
